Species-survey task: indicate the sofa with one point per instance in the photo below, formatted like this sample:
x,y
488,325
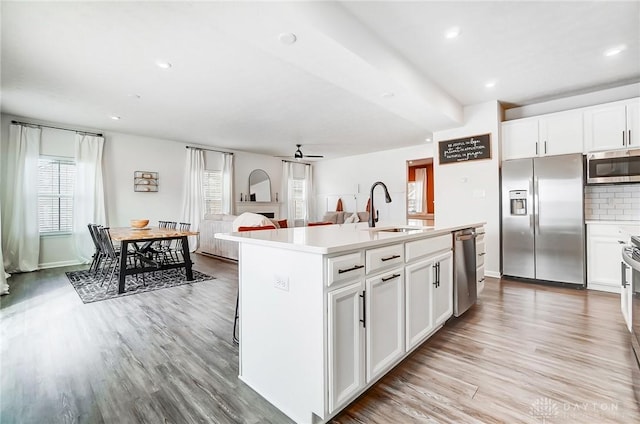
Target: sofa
x,y
342,216
209,245
220,223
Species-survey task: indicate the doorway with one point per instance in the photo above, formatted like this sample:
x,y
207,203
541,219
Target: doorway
x,y
420,192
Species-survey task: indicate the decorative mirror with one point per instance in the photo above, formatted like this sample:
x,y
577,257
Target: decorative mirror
x,y
259,186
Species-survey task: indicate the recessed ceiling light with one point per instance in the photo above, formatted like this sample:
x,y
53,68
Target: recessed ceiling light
x,y
162,64
615,50
115,117
387,95
287,38
428,139
490,84
452,32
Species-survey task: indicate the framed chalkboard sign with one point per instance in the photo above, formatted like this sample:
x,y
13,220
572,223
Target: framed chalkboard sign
x,y
465,149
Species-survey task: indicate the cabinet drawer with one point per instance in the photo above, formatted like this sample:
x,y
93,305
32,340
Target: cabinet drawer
x,y
480,274
345,267
480,253
384,257
426,247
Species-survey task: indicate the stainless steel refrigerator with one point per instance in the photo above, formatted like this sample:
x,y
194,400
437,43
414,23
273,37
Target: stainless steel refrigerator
x,y
543,219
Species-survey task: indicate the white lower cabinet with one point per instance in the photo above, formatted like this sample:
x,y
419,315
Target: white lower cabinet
x,y
373,321
345,343
480,254
604,244
384,320
418,280
442,300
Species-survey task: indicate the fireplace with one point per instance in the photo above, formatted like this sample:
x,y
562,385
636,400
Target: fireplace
x,y
268,209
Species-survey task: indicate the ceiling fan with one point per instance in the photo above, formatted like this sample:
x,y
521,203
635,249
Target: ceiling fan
x,y
299,155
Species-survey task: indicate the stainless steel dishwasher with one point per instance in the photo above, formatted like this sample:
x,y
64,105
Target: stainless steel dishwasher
x,y
465,292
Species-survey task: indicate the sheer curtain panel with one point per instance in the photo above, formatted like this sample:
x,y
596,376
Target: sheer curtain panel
x,y
308,193
287,198
193,201
20,232
88,193
4,286
227,183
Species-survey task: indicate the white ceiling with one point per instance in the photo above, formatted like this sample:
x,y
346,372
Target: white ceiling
x,y
234,85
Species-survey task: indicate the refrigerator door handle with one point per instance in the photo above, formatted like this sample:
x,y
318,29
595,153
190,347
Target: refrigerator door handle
x,y
536,206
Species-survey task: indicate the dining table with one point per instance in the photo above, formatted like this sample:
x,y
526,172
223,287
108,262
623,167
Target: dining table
x,y
142,241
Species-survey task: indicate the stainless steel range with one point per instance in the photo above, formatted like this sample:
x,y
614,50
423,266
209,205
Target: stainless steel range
x,y
631,295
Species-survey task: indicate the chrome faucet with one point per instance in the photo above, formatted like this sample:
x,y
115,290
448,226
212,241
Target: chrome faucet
x,y
372,210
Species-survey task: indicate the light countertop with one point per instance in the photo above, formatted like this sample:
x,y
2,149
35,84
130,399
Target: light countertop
x,y
328,239
595,221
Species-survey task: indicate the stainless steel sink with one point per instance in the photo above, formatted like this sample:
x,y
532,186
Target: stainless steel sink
x,y
401,229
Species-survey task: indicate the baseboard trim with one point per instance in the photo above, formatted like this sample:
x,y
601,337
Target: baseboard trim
x,y
58,264
492,274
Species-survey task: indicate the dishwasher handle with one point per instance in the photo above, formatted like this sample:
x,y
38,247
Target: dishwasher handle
x,y
465,237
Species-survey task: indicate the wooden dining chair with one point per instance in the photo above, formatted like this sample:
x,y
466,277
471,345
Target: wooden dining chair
x,y
236,339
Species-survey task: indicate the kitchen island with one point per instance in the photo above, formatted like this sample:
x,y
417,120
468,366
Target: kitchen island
x,y
326,311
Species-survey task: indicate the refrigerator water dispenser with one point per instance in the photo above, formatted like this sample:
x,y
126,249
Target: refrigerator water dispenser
x,y
518,201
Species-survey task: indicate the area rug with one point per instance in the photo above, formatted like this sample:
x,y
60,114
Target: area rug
x,y
89,289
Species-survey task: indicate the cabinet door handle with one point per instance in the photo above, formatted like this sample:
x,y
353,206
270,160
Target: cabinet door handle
x,y
388,258
623,142
353,268
390,278
364,309
435,275
536,148
623,274
545,147
482,254
629,138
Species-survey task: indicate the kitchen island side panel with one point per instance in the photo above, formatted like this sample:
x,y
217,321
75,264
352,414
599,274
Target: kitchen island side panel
x,y
282,312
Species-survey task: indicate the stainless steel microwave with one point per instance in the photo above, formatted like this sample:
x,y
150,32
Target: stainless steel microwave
x,y
617,166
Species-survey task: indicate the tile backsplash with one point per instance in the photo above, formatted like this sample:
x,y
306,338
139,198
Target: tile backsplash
x,y
612,202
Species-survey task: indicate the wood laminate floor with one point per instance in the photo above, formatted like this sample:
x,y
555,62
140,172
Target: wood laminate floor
x,y
525,353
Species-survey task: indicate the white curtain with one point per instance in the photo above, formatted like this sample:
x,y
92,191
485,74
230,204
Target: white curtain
x,y
420,184
88,193
287,184
308,194
193,200
227,183
4,286
20,232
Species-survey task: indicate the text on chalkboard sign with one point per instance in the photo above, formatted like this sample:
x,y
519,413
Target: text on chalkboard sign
x,y
465,149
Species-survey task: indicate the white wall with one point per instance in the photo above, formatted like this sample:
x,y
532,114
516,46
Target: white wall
x,y
350,178
247,162
468,192
123,155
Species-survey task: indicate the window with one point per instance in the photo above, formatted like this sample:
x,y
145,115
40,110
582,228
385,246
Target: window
x,y
212,188
298,198
55,194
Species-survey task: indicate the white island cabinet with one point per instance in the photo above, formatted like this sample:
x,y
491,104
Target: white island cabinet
x,y
326,311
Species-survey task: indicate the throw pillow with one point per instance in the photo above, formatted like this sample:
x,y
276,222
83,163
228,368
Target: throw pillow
x,y
352,219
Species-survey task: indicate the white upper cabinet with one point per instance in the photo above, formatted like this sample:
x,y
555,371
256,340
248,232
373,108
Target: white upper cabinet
x,y
561,133
546,135
520,139
613,126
